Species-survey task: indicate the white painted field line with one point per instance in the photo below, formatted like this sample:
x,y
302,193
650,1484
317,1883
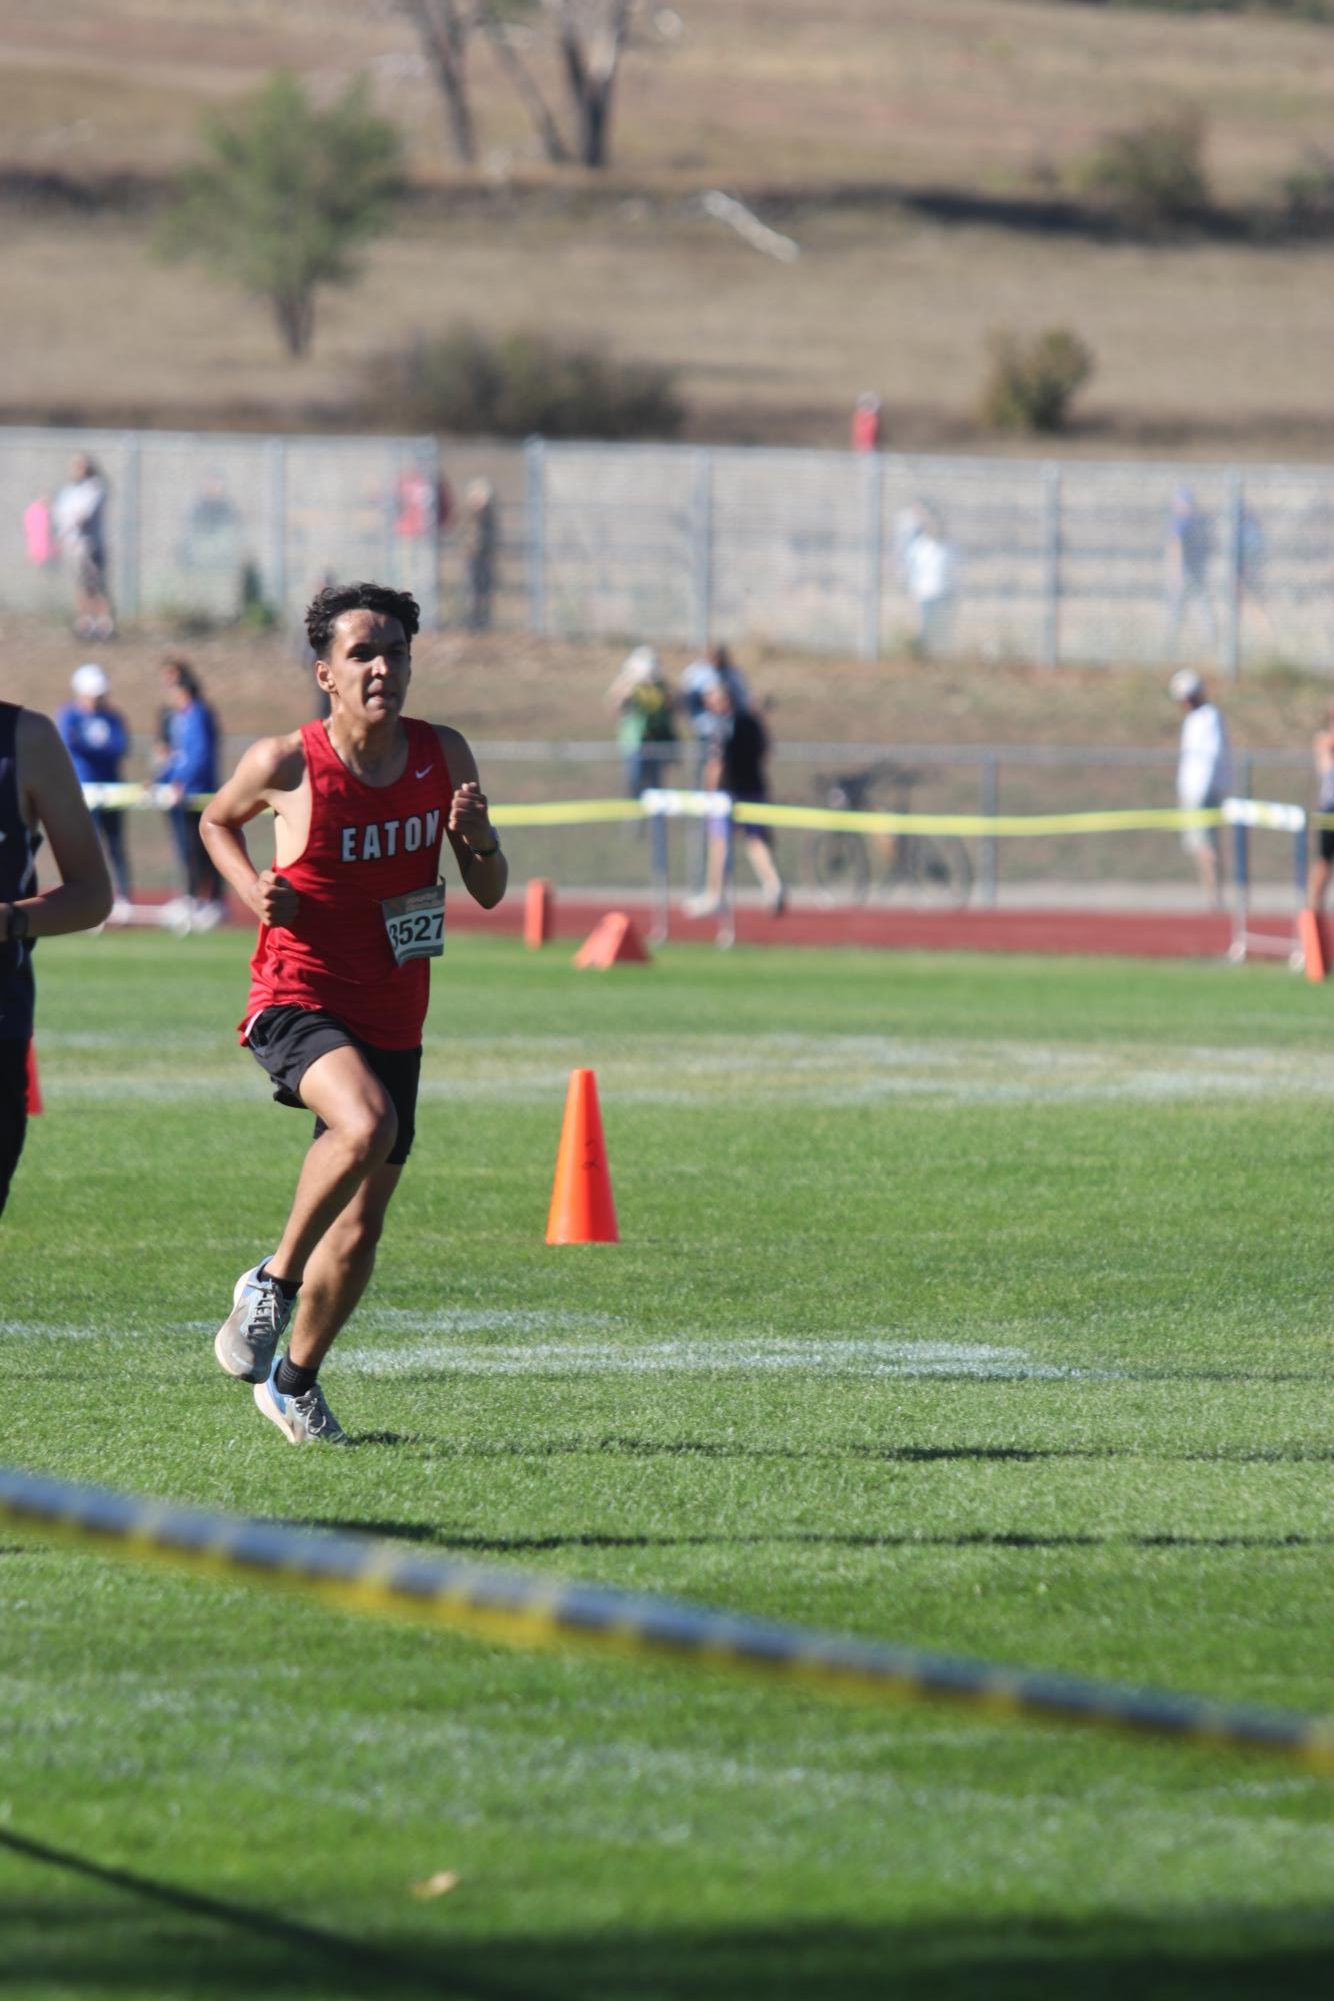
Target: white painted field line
x,y
690,1356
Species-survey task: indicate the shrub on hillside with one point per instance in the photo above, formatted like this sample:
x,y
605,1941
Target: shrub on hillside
x,y
1032,382
522,384
1152,175
1308,192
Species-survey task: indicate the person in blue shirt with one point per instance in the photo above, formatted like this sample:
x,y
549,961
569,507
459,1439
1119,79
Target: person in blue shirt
x,y
97,738
188,768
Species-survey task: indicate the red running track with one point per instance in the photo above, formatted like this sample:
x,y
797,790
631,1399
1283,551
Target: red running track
x,y
1135,934
1122,933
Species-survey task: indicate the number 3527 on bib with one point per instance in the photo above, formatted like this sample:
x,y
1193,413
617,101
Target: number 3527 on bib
x,y
415,923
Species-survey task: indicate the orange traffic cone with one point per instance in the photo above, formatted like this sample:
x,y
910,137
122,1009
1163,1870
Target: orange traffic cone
x,y
35,1104
582,1209
538,913
613,941
1315,954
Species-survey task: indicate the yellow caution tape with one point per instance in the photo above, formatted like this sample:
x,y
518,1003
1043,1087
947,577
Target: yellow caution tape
x,y
359,1574
594,812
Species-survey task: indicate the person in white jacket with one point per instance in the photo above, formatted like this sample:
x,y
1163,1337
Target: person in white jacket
x,y
1204,774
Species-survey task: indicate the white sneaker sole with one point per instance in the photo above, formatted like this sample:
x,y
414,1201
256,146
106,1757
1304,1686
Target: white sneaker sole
x,y
220,1338
265,1404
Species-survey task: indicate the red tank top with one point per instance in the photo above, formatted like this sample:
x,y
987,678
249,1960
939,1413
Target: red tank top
x,y
366,842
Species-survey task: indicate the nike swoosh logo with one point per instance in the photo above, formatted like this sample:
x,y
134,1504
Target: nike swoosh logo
x,y
423,774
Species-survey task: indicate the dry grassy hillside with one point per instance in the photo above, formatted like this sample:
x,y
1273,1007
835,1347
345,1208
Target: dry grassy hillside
x,y
833,119
762,93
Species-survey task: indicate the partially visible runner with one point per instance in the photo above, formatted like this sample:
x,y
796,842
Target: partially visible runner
x,y
1322,749
350,915
39,796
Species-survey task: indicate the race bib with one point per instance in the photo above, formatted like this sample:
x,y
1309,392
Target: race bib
x,y
415,923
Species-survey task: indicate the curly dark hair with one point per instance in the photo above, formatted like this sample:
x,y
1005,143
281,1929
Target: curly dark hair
x,y
329,605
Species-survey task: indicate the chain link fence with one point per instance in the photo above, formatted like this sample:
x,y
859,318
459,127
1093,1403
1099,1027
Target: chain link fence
x,y
1004,559
998,558
1122,869
201,527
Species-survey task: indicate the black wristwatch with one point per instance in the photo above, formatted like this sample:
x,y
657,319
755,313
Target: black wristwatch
x,y
18,924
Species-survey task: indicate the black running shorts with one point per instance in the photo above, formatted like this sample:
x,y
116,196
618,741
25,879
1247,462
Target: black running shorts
x,y
285,1041
13,1110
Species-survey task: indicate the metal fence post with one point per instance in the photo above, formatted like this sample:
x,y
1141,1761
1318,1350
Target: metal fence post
x,y
535,530
990,869
1232,628
129,580
701,550
873,502
1051,566
278,523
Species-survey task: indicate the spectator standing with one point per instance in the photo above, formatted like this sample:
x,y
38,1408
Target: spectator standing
x,y
188,769
1204,774
1322,748
480,537
78,516
1190,547
737,767
1250,559
929,574
696,680
646,732
866,418
97,738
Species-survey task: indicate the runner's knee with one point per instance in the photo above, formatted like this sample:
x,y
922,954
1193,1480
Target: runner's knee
x,y
369,1130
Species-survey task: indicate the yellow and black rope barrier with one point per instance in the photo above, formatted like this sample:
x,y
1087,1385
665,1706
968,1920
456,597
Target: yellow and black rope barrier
x,y
360,1574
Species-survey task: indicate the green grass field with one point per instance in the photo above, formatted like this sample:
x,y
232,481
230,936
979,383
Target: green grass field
x,y
976,1304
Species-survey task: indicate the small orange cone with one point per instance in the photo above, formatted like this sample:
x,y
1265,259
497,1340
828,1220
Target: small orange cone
x,y
539,909
35,1104
582,1209
613,941
1315,955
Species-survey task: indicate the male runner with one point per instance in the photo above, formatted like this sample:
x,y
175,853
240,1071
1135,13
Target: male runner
x,y
39,794
350,915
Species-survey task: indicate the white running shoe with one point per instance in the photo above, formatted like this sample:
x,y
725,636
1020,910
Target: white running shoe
x,y
302,1420
247,1338
204,916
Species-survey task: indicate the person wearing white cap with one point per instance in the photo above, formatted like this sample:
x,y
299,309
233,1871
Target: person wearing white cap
x,y
97,738
1204,774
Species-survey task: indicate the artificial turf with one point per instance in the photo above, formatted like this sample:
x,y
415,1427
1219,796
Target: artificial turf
x,y
981,1305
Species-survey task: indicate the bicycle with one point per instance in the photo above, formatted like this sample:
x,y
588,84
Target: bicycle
x,y
847,867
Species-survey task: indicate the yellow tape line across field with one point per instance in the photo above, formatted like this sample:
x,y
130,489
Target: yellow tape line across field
x,y
699,805
362,1575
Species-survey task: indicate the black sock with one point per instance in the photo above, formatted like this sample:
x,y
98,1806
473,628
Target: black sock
x,y
290,1380
288,1287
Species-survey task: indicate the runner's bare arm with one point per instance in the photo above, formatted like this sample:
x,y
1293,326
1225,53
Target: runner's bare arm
x,y
51,799
475,842
267,775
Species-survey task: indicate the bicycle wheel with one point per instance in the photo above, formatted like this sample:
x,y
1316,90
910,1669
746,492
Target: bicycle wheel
x,y
840,867
933,870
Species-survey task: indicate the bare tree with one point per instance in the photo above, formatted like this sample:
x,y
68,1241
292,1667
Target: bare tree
x,y
591,36
444,27
519,74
